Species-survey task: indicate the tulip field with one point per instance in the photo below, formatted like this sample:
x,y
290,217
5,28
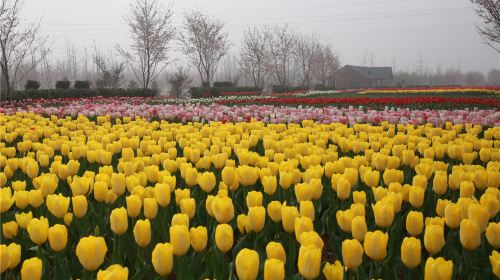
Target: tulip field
x,y
250,188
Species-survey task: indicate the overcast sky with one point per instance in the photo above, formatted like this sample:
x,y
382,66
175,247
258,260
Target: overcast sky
x,y
393,32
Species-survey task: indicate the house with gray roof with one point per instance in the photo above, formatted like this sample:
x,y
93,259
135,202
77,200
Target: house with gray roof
x,y
351,76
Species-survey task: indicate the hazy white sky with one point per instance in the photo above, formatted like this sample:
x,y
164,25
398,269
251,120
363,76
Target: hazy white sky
x,y
442,31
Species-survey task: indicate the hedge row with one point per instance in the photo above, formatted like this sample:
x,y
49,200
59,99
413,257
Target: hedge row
x,y
78,93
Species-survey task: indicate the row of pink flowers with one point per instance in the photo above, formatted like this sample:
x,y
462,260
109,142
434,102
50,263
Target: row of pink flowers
x,y
245,113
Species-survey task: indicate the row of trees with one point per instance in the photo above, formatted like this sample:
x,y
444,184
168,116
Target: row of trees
x,y
450,76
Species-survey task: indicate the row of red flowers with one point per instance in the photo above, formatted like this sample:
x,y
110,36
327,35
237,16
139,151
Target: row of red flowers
x,y
366,101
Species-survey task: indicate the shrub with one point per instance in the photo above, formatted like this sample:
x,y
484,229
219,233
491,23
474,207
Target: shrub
x,y
224,84
63,84
32,85
82,84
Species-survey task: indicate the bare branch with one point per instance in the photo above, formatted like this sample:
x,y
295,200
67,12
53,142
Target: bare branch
x,y
489,12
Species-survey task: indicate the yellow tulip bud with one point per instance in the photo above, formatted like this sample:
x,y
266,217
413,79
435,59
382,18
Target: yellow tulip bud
x,y
441,206
247,264
434,238
35,198
100,191
275,250
38,230
118,183
32,169
32,269
58,205
470,234
479,214
288,215
285,179
438,269
80,205
9,229
302,224
270,183
411,252
207,181
14,251
467,189
417,196
440,183
359,228
344,219
114,271
134,205
254,199
274,211
224,237
68,218
359,197
180,194
256,218
311,238
371,178
309,261
188,206
180,239
223,209
91,252
142,233
414,223
333,271
493,235
21,198
274,269
150,208
58,237
307,209
180,219
199,238
119,220
453,215
495,263
162,258
375,245
352,253
343,188
162,194
384,213
19,185
23,219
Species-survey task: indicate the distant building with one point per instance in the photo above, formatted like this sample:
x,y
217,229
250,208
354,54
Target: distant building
x,y
351,76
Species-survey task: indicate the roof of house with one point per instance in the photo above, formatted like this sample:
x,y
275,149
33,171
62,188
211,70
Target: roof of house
x,y
371,73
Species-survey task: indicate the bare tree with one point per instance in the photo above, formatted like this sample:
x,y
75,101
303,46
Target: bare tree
x,y
179,81
151,30
254,56
305,54
489,12
326,63
204,42
110,72
281,42
494,77
16,46
474,78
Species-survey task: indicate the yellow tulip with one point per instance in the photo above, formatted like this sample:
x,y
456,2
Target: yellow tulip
x,y
223,209
4,258
414,223
162,258
479,214
411,252
58,237
134,205
247,264
21,199
311,238
14,251
228,175
269,184
275,250
333,271
207,181
288,216
375,245
180,194
242,223
441,206
180,239
118,183
68,218
32,269
23,219
467,189
100,191
493,234
453,215
80,205
495,263
9,229
35,198
470,234
285,180
114,271
359,197
274,269
416,197
199,238
180,219
38,230
32,169
58,205
440,183
274,211
307,209
150,208
224,237
118,220
302,224
256,218
254,199
384,213
359,228
343,188
352,253
91,252
371,178
162,194
434,238
309,261
142,233
438,269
